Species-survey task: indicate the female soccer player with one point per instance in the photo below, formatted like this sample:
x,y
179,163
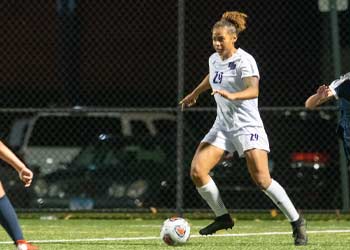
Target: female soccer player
x,y
8,218
338,89
234,80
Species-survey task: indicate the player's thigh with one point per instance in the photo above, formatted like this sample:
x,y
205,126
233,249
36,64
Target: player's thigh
x,y
206,157
257,163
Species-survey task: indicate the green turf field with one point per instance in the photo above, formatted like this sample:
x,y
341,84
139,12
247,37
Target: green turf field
x,y
93,234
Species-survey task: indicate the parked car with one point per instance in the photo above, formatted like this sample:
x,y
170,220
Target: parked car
x,y
306,157
49,141
114,172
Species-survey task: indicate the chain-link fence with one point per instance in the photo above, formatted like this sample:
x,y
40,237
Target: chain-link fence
x,y
90,93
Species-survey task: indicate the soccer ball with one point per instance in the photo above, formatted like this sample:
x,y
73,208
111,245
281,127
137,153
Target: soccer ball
x,y
175,231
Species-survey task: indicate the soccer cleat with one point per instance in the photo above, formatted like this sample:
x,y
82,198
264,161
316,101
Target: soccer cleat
x,y
222,222
299,232
24,245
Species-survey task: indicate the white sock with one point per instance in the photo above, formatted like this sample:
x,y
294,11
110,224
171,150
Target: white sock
x,y
279,196
210,193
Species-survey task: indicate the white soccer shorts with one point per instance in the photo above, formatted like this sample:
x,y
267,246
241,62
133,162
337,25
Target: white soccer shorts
x,y
240,141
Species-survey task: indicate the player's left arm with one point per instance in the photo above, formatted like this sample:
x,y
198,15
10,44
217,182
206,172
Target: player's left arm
x,y
322,95
251,90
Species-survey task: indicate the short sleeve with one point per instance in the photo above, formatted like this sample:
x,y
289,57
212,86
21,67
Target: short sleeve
x,y
333,86
341,88
249,67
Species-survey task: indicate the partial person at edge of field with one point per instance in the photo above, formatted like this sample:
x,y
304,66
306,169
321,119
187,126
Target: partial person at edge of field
x,y
8,217
339,89
234,80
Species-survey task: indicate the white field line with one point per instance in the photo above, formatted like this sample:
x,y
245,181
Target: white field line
x,y
192,236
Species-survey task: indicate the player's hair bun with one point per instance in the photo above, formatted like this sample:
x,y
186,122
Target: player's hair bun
x,y
238,19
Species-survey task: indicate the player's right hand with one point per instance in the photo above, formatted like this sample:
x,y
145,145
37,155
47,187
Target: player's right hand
x,y
26,175
188,101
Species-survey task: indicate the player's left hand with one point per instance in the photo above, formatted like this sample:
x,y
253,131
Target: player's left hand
x,y
324,91
26,175
224,94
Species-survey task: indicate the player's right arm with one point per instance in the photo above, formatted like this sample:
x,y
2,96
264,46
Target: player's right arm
x,y
322,95
191,98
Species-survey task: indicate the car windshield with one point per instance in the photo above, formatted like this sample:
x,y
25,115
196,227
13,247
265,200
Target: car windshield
x,y
72,130
106,154
86,156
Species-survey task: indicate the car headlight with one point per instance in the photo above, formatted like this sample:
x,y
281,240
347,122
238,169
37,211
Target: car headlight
x,y
116,190
137,188
40,188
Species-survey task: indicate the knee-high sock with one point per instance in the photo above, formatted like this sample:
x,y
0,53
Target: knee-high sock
x,y
279,196
210,193
8,219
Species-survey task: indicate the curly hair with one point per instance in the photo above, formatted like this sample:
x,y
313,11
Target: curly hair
x,y
233,18
238,19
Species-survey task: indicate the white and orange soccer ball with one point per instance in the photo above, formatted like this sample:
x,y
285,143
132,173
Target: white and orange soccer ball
x,y
175,231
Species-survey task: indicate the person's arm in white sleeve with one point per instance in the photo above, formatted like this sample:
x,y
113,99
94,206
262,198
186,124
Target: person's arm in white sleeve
x,y
322,95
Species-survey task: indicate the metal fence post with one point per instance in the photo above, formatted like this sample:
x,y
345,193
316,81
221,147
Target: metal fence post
x,y
179,139
69,49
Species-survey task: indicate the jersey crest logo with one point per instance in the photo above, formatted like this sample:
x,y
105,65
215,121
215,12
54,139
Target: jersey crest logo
x,y
232,65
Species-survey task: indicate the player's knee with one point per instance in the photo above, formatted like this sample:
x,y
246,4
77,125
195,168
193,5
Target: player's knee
x,y
262,182
196,172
